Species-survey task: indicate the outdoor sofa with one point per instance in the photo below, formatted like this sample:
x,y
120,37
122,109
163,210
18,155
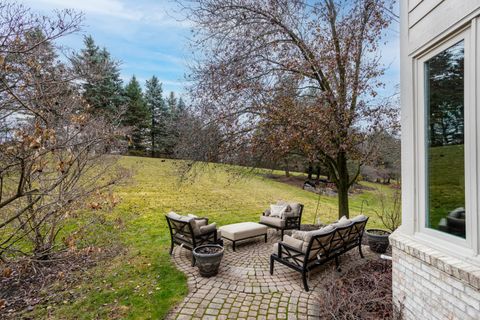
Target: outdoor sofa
x,y
191,231
290,219
306,250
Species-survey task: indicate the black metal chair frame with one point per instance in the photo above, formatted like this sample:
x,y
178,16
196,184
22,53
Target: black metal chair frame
x,y
291,223
325,247
181,233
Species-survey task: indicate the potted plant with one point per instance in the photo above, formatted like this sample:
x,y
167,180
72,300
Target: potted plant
x,y
390,216
208,258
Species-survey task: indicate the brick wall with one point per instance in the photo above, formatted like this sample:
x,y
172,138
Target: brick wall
x,y
430,285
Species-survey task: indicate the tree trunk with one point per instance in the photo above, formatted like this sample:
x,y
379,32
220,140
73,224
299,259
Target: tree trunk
x,y
310,172
318,173
343,184
152,133
287,169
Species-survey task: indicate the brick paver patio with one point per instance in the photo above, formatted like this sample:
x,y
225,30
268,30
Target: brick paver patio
x,y
244,288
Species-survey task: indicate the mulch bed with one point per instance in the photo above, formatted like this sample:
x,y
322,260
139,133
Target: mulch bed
x,y
24,284
329,188
361,293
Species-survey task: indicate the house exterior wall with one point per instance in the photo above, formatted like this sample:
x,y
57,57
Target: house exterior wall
x,y
434,275
427,284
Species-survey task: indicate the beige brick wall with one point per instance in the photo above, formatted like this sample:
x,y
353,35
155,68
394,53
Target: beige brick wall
x,y
430,285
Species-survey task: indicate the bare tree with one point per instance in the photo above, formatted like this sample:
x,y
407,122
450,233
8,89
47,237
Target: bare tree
x,y
390,212
53,155
327,49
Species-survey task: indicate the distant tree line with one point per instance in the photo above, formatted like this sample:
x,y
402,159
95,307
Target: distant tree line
x,y
151,117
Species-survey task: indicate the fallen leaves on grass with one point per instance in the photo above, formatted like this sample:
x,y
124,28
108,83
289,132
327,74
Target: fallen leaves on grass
x,y
25,284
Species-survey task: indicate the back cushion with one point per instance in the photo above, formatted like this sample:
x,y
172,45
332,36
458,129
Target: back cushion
x,y
278,210
320,244
189,219
295,208
343,222
341,237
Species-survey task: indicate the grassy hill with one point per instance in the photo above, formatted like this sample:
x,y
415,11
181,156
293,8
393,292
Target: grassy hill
x,y
142,282
446,181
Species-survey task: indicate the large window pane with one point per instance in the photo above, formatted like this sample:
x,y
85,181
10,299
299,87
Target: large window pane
x,y
444,93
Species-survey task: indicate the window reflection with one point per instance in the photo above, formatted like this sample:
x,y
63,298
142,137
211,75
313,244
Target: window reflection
x,y
444,93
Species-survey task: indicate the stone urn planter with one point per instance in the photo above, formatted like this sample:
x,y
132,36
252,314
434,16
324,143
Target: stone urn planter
x,y
208,258
377,240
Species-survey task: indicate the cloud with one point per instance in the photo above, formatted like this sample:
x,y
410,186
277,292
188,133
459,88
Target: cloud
x,y
144,35
151,12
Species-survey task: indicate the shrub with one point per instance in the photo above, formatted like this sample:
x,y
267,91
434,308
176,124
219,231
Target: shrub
x,y
361,293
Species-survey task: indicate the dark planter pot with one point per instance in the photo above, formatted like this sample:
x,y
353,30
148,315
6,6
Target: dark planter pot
x,y
377,240
208,258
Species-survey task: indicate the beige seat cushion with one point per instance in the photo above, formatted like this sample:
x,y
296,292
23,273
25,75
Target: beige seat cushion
x,y
243,230
275,248
273,221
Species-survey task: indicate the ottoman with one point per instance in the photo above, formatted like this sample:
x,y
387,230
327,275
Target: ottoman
x,y
243,230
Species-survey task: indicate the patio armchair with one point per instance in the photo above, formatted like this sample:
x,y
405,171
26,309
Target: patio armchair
x,y
191,231
454,222
289,220
304,251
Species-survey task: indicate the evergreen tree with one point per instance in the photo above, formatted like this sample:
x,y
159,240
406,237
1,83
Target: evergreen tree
x,y
172,136
172,103
136,115
100,75
159,115
181,107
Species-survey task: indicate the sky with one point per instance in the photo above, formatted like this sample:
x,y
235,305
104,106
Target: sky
x,y
149,38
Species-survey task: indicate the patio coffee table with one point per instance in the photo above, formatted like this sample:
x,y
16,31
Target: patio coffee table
x,y
242,231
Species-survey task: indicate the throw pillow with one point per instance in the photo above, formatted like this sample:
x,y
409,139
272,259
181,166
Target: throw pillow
x,y
277,210
209,228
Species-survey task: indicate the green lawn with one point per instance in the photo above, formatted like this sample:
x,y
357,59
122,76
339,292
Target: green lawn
x,y
142,283
446,181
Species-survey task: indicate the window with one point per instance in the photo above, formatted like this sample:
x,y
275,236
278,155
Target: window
x,y
444,140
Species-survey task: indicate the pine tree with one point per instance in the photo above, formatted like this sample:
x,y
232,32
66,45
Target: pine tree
x,y
159,115
136,115
181,107
172,103
173,127
100,75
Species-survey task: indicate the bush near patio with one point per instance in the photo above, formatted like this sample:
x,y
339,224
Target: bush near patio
x,y
141,282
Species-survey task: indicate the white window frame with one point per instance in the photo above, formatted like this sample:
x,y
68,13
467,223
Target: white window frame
x,y
468,247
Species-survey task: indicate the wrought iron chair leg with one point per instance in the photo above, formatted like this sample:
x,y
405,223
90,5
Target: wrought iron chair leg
x,y
304,279
360,250
193,260
281,234
271,265
337,264
171,248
